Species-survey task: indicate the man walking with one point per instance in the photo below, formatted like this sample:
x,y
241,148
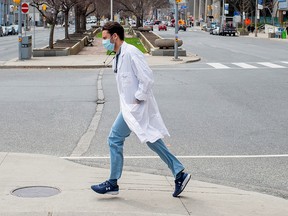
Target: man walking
x,y
138,111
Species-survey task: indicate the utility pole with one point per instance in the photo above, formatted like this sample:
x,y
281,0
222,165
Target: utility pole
x,y
256,14
222,18
19,2
111,19
176,30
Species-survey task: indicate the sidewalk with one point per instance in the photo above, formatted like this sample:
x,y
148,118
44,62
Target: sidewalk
x,y
140,194
89,57
261,35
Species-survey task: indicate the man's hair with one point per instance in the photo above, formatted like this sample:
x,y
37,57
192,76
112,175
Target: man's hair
x,y
114,27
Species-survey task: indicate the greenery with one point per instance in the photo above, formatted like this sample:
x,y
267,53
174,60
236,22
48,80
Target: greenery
x,y
133,41
137,43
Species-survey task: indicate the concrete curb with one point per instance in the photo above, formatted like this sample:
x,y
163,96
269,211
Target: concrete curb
x,y
152,61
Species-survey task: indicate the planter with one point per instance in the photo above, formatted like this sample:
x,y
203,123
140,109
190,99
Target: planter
x,y
244,33
167,43
46,52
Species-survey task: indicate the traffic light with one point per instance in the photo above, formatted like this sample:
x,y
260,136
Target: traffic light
x,y
17,1
178,1
44,7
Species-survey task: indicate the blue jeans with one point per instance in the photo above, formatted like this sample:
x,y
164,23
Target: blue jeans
x,y
116,139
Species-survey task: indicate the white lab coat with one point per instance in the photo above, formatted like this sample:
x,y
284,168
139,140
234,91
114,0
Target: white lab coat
x,y
135,80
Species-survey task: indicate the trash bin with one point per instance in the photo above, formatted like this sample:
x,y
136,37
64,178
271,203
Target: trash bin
x,y
284,34
271,35
26,48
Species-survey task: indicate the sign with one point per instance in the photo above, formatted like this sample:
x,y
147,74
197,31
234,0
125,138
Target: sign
x,y
283,5
183,7
226,7
260,4
25,8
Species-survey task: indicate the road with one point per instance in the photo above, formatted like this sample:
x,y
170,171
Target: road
x,y
227,114
9,44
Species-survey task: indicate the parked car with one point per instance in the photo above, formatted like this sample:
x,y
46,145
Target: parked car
x,y
1,32
148,26
162,27
182,27
11,30
216,30
157,22
16,29
5,30
228,30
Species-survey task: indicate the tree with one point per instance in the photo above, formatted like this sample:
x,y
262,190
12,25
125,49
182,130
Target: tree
x,y
102,8
82,10
50,14
67,5
138,8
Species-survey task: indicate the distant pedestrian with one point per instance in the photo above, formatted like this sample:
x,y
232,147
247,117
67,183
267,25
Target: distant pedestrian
x,y
138,111
252,28
248,28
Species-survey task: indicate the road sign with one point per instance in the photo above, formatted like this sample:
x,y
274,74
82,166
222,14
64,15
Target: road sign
x,y
183,7
25,7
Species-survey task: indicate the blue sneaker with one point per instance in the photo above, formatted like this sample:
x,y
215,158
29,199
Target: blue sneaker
x,y
181,183
106,188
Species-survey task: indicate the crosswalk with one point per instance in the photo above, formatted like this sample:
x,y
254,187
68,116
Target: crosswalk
x,y
254,65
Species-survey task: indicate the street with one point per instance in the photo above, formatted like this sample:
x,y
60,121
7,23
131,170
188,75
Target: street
x,y
227,114
9,44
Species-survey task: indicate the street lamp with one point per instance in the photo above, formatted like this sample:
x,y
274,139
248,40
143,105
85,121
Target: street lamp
x,y
256,14
223,12
111,19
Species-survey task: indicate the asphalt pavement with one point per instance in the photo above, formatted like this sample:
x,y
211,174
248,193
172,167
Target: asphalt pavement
x,y
140,193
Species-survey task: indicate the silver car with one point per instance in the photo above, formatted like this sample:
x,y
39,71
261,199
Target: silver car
x,y
216,30
4,30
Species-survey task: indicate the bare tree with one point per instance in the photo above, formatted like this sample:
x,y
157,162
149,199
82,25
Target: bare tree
x,y
50,14
82,10
67,5
138,8
102,8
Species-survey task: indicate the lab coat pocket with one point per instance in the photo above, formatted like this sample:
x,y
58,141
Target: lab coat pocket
x,y
137,110
125,79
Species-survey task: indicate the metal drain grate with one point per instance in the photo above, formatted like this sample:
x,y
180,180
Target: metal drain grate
x,y
35,191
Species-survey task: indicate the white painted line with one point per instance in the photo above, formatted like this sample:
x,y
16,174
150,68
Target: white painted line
x,y
244,65
86,139
285,62
270,65
184,157
218,65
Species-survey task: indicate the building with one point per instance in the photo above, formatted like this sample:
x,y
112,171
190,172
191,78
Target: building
x,y
8,12
206,10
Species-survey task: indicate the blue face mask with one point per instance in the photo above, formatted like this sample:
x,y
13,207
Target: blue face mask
x,y
108,45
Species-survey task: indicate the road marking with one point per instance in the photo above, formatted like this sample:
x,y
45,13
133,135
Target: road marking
x,y
218,65
183,157
285,62
86,139
244,65
270,65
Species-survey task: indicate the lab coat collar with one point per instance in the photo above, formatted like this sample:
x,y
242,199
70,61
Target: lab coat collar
x,y
123,50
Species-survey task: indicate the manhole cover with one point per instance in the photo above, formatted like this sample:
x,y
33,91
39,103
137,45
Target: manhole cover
x,y
35,191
